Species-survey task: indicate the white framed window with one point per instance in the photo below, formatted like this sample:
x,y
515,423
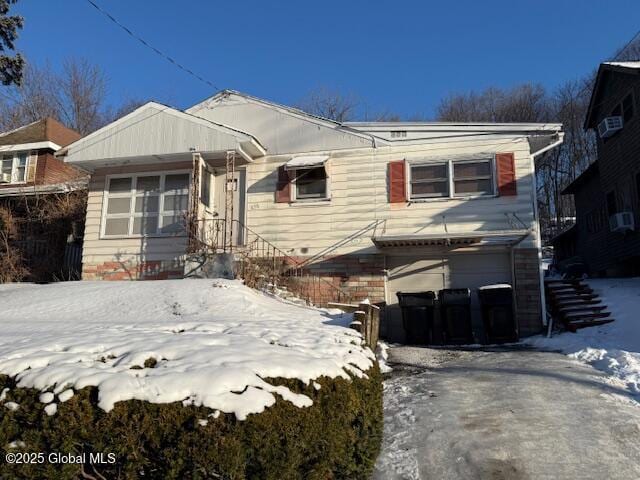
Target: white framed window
x,y
310,184
13,167
473,178
146,204
452,179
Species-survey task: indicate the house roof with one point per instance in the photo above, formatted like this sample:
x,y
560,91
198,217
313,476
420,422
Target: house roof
x,y
45,130
288,130
591,171
283,129
158,132
604,72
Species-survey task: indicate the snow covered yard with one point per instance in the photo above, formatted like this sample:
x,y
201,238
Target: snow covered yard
x,y
613,348
202,342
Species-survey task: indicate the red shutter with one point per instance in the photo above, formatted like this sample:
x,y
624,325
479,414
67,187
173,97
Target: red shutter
x,y
506,167
397,182
283,188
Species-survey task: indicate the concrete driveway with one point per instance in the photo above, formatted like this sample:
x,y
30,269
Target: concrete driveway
x,y
505,414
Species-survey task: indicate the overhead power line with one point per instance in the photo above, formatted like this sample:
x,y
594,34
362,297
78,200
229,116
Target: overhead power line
x,y
151,47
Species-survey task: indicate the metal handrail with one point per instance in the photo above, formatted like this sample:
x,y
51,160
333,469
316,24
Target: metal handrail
x,y
265,265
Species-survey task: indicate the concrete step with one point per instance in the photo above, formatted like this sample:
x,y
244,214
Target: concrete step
x,y
582,316
580,308
574,326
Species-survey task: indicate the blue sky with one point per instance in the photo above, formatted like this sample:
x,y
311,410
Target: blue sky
x,y
401,56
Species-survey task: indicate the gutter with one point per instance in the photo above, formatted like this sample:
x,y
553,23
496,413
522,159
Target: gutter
x,y
543,299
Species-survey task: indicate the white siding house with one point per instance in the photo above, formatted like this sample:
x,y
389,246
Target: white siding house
x,y
376,208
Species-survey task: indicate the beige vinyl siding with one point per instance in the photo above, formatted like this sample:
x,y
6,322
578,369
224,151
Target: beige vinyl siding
x,y
98,250
359,199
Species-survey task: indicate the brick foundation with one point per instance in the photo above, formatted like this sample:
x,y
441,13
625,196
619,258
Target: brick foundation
x,y
133,270
527,291
359,276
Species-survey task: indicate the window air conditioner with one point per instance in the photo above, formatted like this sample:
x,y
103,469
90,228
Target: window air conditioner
x,y
621,222
5,178
609,126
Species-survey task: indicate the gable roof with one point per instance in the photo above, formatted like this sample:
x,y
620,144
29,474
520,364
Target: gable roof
x,y
605,70
45,130
156,130
282,129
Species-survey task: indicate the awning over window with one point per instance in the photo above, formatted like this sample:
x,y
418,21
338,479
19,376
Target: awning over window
x,y
307,161
495,238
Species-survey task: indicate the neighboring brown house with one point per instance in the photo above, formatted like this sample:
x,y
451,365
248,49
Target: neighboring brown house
x,y
606,237
40,195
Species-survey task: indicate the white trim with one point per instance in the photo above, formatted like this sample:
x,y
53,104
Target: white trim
x,y
29,146
132,195
241,137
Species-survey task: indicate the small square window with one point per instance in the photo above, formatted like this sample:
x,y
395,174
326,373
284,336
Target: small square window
x,y
311,183
120,185
431,180
473,178
148,184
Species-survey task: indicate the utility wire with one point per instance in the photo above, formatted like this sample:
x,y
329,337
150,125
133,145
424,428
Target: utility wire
x,y
148,45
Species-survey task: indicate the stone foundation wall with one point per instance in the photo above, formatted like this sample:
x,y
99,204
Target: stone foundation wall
x,y
527,291
133,270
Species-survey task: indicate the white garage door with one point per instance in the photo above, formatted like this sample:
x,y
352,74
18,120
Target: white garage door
x,y
422,272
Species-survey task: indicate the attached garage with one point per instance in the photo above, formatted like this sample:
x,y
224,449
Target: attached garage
x,y
436,265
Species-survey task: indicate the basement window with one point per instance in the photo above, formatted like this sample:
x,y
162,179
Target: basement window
x,y
146,205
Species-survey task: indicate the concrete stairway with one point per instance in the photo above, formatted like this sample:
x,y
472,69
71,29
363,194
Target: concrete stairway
x,y
573,303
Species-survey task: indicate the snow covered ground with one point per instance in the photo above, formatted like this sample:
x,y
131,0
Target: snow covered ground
x,y
214,342
615,347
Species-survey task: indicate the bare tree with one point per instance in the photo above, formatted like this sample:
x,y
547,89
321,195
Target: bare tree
x,y
329,104
76,96
81,95
523,103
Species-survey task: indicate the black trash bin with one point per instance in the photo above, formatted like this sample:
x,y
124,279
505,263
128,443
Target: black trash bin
x,y
455,315
417,316
496,303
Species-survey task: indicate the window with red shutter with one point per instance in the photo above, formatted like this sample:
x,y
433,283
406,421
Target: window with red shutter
x,y
283,187
506,170
397,182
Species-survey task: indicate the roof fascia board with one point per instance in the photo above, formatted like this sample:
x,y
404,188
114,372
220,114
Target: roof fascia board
x,y
29,146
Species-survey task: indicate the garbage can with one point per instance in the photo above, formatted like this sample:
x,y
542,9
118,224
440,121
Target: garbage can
x,y
417,316
496,303
455,315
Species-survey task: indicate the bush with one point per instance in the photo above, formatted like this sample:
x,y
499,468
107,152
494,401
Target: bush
x,y
337,437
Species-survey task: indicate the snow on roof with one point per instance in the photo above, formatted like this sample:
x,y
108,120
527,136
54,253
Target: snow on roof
x,y
624,64
306,161
211,340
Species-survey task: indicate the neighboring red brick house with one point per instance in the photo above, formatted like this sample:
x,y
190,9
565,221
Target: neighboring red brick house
x,y
33,182
26,155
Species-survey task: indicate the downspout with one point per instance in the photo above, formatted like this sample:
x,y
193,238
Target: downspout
x,y
543,300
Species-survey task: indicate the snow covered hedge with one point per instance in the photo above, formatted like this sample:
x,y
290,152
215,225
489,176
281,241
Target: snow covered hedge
x,y
184,379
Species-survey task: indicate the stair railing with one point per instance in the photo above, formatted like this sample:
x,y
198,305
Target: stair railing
x,y
262,265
